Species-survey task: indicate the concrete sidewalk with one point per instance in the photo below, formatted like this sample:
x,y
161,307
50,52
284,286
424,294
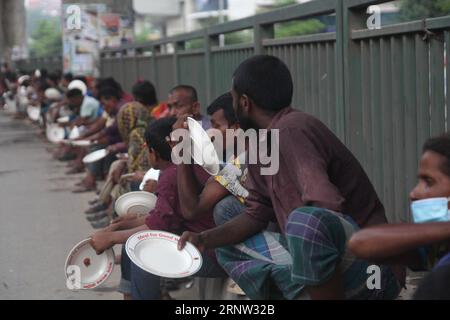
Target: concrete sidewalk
x,y
41,220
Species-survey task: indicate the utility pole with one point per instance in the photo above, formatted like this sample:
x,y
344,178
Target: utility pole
x,y
12,28
221,20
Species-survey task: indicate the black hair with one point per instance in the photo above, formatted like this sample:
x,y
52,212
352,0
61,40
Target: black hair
x,y
44,73
42,85
156,134
68,77
11,76
74,93
435,286
440,145
81,78
224,102
109,83
266,80
54,76
145,93
108,93
189,89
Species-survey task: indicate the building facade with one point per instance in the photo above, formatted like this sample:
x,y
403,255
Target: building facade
x,y
12,30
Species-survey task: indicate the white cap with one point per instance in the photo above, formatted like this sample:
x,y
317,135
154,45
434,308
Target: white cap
x,y
37,73
78,84
23,78
53,94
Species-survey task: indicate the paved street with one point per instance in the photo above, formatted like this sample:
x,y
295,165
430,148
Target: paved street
x,y
41,219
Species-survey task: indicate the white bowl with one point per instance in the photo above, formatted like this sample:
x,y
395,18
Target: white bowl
x,y
95,156
203,151
63,120
34,113
139,202
55,133
81,143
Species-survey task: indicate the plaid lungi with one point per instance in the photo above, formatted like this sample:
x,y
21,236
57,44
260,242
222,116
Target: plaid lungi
x,y
274,266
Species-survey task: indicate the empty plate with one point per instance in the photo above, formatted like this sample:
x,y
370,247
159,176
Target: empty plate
x,y
93,269
55,133
63,120
139,202
81,143
156,252
95,156
75,133
34,113
203,151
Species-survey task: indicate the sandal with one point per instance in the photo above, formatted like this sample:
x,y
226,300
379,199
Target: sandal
x,y
99,207
96,217
79,184
101,224
75,171
93,202
84,189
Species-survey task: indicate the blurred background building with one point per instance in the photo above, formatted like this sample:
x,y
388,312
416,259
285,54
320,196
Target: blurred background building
x,y
36,28
12,30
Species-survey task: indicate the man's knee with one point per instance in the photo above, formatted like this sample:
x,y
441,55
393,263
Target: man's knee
x,y
313,224
144,285
226,209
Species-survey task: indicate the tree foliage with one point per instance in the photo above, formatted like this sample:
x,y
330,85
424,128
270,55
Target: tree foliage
x,y
421,9
296,28
46,39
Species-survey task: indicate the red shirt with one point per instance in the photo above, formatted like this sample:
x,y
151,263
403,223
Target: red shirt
x,y
126,97
316,169
167,214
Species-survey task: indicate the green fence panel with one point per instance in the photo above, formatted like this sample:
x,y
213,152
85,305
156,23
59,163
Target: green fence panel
x,y
384,92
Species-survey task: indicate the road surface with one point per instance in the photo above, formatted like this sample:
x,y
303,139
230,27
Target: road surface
x,y
41,220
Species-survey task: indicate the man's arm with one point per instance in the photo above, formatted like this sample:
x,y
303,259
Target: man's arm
x,y
118,147
235,231
103,240
194,201
125,223
96,127
98,136
396,242
81,121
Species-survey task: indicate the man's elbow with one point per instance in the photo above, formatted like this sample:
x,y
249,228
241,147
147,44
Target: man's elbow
x,y
190,214
360,246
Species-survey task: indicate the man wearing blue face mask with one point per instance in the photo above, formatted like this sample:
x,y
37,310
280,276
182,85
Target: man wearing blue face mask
x,y
424,244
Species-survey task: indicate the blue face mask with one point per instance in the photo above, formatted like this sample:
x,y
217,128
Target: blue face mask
x,y
430,210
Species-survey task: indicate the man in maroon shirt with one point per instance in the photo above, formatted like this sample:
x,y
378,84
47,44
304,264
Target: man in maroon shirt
x,y
109,138
315,170
166,216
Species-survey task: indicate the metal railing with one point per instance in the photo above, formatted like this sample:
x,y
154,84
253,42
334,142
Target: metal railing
x,y
51,64
382,91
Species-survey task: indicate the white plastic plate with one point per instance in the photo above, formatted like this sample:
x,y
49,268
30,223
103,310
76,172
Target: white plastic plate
x,y
156,252
93,269
203,151
139,202
95,156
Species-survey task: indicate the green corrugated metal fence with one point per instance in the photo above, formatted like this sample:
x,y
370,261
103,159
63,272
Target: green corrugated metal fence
x,y
383,92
